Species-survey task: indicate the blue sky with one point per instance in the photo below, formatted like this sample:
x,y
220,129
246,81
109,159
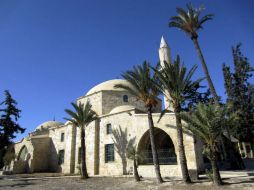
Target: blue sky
x,y
52,52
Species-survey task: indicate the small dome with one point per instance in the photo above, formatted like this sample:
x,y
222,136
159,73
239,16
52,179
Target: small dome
x,y
67,123
121,109
108,85
48,124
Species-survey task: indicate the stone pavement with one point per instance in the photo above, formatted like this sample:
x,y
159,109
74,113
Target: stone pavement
x,y
233,180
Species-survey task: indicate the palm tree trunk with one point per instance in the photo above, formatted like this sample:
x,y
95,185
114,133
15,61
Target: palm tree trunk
x,y
84,174
182,156
124,164
136,175
213,91
153,146
207,75
216,174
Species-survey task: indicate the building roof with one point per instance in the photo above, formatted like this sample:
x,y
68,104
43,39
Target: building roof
x,y
108,85
48,124
121,109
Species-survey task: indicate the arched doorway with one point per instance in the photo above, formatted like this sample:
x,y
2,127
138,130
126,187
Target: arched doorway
x,y
22,153
164,145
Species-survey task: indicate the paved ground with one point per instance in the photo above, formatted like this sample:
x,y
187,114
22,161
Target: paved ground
x,y
233,180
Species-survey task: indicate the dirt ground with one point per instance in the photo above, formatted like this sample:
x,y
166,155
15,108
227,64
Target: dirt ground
x,y
233,180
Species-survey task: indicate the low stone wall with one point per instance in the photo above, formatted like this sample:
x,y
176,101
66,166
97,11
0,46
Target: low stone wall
x,y
166,171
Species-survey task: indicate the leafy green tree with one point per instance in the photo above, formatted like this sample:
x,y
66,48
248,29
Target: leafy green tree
x,y
198,97
205,122
240,100
82,117
135,156
175,83
191,22
142,87
9,155
9,126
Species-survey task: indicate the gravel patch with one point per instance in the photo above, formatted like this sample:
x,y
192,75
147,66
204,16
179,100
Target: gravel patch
x,y
242,182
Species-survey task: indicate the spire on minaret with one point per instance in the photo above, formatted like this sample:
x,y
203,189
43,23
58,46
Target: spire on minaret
x,y
163,43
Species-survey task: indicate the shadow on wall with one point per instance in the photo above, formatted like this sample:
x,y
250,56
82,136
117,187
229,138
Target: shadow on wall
x,y
185,130
122,144
53,159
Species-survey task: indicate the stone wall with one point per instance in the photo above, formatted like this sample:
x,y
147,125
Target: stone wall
x,y
41,153
67,145
136,125
103,102
95,99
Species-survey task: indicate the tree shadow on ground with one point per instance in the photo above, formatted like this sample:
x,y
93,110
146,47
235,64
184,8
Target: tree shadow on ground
x,y
19,184
250,180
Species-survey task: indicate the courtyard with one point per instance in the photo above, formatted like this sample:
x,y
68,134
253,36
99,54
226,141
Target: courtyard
x,y
243,180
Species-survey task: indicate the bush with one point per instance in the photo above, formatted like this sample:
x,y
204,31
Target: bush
x,y
209,174
9,155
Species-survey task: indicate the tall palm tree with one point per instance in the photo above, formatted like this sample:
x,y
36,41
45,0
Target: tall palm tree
x,y
205,122
81,117
143,88
175,83
190,22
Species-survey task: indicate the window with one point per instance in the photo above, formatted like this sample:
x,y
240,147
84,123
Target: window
x,y
125,98
79,155
60,157
109,128
109,153
22,154
62,137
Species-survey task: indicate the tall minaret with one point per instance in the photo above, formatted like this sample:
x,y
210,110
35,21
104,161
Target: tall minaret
x,y
165,57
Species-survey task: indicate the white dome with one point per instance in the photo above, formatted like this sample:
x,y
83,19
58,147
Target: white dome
x,y
121,109
108,85
48,124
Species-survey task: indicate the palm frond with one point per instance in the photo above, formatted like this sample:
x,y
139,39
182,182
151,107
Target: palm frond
x,y
141,82
189,20
82,114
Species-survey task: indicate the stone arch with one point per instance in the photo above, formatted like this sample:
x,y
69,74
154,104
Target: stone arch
x,y
164,145
23,153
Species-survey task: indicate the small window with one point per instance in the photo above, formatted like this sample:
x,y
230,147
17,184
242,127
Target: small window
x,y
60,157
125,98
79,155
62,137
109,153
109,128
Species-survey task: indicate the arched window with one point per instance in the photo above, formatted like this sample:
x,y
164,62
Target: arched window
x,y
22,153
165,148
125,98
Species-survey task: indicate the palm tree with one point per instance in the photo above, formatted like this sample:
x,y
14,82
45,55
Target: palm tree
x,y
82,117
135,156
205,122
143,88
190,22
175,83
